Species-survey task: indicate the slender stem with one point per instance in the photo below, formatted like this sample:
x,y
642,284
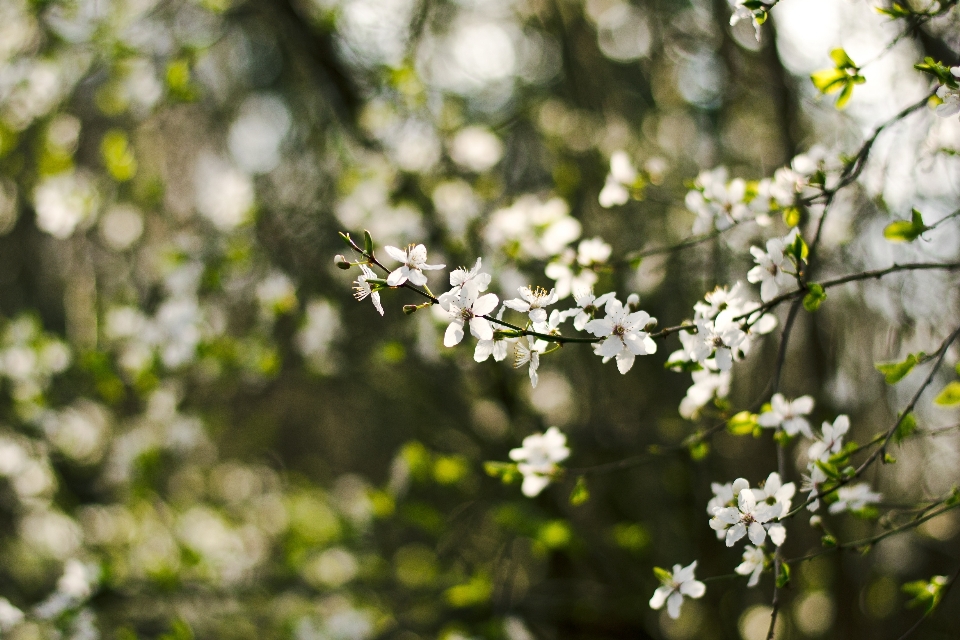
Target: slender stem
x,y
943,595
885,441
865,542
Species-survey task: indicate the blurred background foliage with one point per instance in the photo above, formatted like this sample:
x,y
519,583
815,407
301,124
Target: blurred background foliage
x,y
203,436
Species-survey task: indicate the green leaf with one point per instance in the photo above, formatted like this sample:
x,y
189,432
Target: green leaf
x,y
814,298
907,425
905,230
895,11
949,396
894,372
580,493
791,216
742,424
663,575
829,80
506,471
845,95
699,450
841,59
828,540
346,239
784,577
367,243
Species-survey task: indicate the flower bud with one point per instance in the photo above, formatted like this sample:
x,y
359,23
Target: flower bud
x,y
410,308
341,262
633,302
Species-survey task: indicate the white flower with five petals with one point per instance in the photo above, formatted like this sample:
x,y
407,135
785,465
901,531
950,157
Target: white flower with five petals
x,y
624,335
788,415
752,565
468,307
497,346
772,266
681,583
414,261
533,301
746,519
831,440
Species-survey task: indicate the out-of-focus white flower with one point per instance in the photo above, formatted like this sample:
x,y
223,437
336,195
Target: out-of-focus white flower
x,y
621,178
706,386
276,293
752,565
10,616
950,98
624,334
63,202
675,587
476,149
831,440
468,307
362,288
528,352
533,301
772,265
854,498
414,261
568,275
788,415
224,194
532,228
537,459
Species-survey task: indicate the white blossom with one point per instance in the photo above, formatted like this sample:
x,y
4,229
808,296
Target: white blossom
x,y
468,307
681,583
362,288
528,352
725,495
772,265
533,301
831,440
587,307
719,338
414,261
788,415
623,175
569,276
752,565
746,519
497,346
811,485
10,616
537,459
854,498
706,386
624,334
950,98
461,275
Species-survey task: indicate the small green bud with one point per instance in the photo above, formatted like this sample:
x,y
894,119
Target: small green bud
x,y
410,309
341,262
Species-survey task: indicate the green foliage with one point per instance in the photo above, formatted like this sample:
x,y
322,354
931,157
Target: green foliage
x,y
814,297
939,71
926,593
470,594
907,425
783,578
631,536
580,493
843,77
949,396
894,372
506,471
905,230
